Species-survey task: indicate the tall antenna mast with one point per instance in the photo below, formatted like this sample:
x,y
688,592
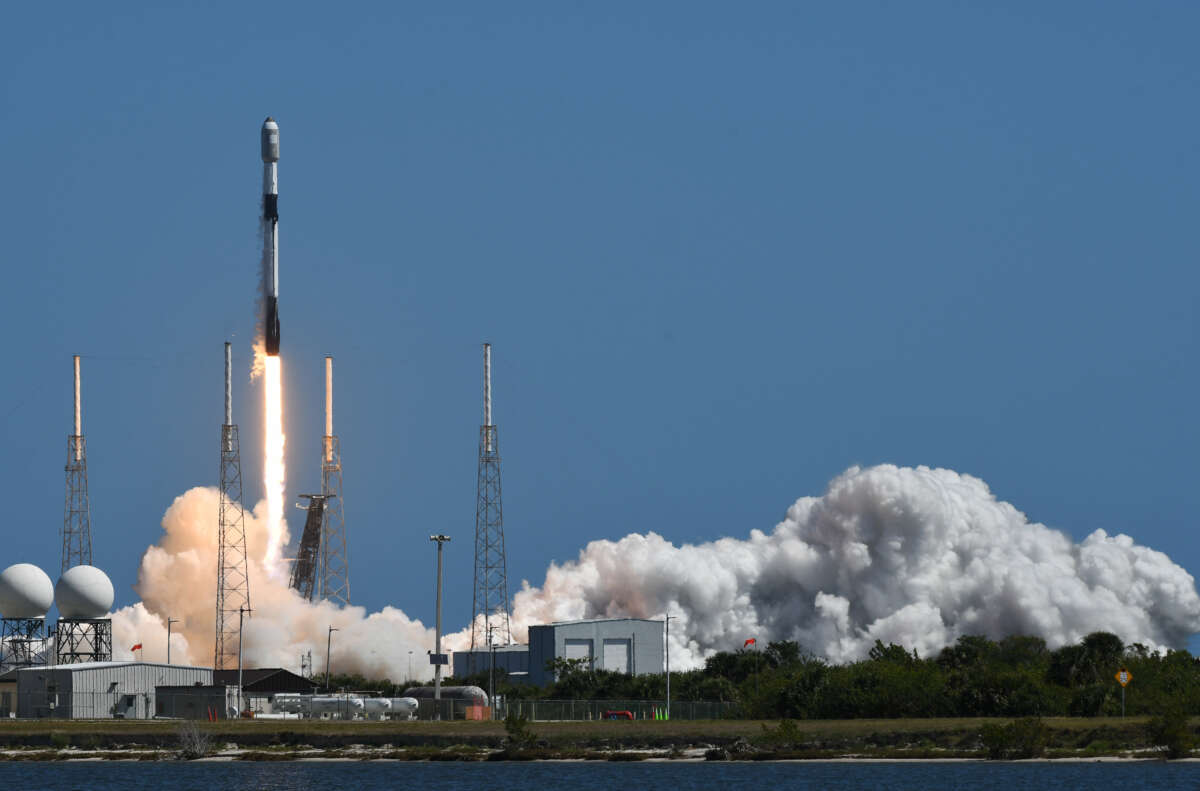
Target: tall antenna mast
x,y
334,583
77,512
491,573
233,577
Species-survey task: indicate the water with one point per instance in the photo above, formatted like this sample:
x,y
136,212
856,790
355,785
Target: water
x,y
673,776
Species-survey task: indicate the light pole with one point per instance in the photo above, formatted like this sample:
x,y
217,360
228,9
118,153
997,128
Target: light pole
x,y
328,642
410,678
437,639
241,622
668,653
170,621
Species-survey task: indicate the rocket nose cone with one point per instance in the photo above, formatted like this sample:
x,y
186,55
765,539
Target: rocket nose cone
x,y
270,140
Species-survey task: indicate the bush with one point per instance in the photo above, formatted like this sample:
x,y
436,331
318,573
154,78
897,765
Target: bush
x,y
520,735
1170,733
193,742
1023,738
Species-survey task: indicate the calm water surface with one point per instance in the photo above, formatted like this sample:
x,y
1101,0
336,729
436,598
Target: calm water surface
x,y
358,776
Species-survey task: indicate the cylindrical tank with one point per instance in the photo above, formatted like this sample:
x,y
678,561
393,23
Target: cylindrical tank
x,y
404,708
83,592
25,592
377,705
344,706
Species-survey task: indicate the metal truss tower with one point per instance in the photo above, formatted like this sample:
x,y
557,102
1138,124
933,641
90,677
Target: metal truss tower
x,y
334,583
77,513
491,574
83,640
22,643
233,573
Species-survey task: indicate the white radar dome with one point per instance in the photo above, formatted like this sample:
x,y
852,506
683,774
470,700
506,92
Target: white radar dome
x,y
25,592
83,592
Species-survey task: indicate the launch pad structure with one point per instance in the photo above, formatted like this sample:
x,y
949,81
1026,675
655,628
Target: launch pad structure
x,y
490,610
304,572
335,560
233,574
77,513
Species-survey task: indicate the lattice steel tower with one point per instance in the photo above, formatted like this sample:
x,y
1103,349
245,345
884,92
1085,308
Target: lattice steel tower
x,y
77,513
233,577
491,574
334,582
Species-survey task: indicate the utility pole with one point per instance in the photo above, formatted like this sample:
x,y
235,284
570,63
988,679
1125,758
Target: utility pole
x,y
328,643
241,621
410,678
437,640
170,621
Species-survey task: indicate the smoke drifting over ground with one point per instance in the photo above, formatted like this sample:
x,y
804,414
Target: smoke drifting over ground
x,y
911,556
177,578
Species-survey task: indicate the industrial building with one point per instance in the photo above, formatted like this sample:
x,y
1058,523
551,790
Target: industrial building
x,y
512,659
620,645
101,690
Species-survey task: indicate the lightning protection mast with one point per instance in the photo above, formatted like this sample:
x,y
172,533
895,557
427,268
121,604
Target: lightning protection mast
x,y
233,578
491,574
335,562
77,512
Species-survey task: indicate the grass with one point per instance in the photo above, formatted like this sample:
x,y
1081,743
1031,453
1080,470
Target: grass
x,y
595,740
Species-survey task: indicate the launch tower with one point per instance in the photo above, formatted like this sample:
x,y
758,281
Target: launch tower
x,y
491,575
77,513
233,577
335,562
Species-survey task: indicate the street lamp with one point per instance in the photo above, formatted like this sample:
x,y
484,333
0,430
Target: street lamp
x,y
241,622
170,621
437,640
410,678
668,653
328,642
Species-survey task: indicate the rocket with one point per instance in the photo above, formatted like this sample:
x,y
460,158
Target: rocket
x,y
270,219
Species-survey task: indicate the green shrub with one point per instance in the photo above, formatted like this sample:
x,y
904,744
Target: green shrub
x,y
1023,738
1171,734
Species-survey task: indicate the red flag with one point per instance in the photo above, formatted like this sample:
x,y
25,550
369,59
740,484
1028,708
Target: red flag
x,y
749,642
137,647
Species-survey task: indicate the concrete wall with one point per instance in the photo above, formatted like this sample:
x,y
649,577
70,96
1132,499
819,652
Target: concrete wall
x,y
622,645
100,690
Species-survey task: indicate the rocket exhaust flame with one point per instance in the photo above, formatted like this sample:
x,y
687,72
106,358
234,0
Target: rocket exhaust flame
x,y
274,472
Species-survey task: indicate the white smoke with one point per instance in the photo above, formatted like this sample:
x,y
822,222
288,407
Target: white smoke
x,y
917,557
912,556
177,579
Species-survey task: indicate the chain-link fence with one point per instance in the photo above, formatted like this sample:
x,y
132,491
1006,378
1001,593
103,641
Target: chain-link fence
x,y
545,710
221,703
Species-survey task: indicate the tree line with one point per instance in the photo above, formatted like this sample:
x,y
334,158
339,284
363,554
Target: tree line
x,y
1017,676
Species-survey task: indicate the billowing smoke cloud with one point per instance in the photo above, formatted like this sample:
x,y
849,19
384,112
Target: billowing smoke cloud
x,y
177,579
912,556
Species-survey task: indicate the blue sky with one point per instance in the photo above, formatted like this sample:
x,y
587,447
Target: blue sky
x,y
723,252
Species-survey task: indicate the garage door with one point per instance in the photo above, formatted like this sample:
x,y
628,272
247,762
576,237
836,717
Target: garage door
x,y
616,655
579,649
